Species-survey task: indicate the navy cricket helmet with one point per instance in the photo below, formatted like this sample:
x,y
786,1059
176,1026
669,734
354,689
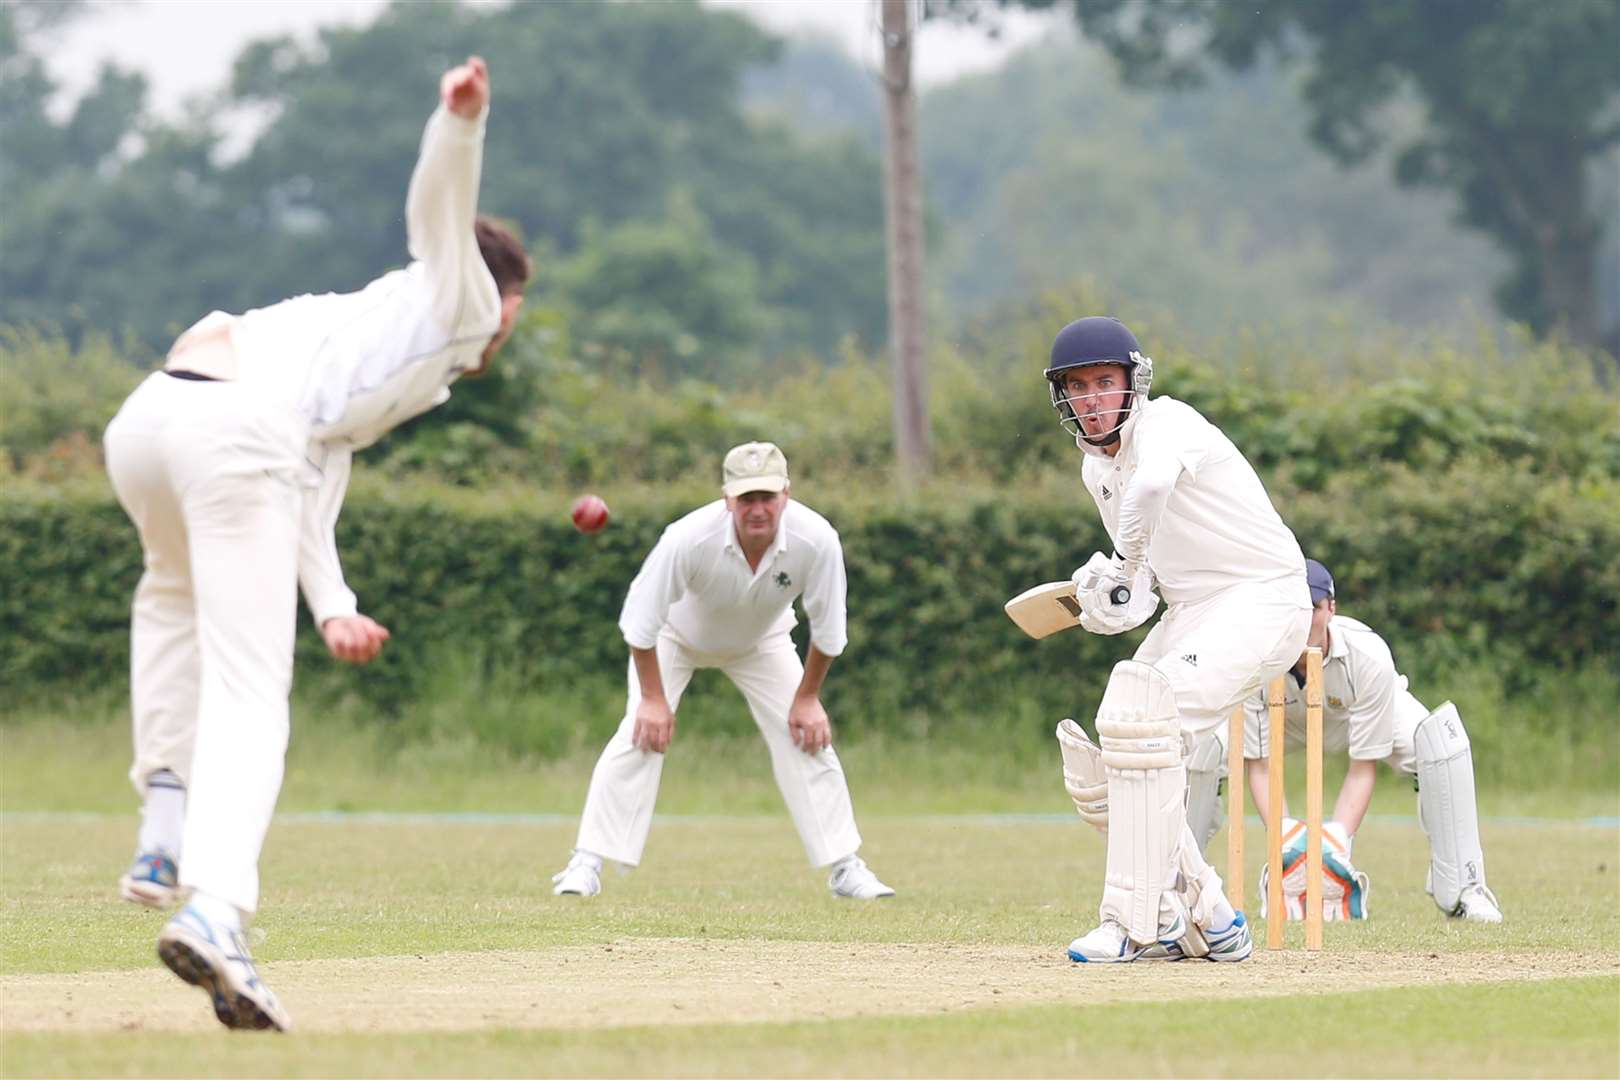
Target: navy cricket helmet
x,y
1097,339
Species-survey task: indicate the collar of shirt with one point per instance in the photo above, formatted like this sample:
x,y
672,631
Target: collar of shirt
x,y
1337,648
778,545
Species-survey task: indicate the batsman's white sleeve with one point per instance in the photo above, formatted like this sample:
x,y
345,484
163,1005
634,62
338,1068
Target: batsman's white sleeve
x,y
320,573
660,582
824,599
1142,506
439,212
1170,443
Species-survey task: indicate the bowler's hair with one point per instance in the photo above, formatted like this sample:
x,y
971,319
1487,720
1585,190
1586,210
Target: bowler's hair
x,y
507,261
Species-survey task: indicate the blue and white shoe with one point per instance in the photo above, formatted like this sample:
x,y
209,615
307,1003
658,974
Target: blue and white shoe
x,y
1231,943
215,957
1178,939
152,879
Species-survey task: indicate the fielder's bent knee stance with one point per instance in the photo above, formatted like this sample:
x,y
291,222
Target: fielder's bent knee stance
x,y
624,786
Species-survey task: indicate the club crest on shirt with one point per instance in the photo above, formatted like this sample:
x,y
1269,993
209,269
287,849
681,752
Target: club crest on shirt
x,y
782,580
1335,702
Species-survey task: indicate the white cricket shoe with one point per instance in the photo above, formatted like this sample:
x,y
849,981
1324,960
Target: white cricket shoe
x,y
581,877
215,957
851,879
1478,904
1108,944
152,879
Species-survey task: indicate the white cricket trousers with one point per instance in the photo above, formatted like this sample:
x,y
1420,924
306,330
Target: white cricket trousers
x,y
624,786
209,474
1219,650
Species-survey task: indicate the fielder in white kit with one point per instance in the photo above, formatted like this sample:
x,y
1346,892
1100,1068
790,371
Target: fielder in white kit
x,y
1368,713
232,462
1188,516
717,591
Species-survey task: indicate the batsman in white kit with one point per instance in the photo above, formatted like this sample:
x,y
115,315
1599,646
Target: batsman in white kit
x,y
1189,518
1368,713
717,591
232,462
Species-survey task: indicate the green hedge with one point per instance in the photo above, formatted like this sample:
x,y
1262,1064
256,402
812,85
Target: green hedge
x,y
1493,562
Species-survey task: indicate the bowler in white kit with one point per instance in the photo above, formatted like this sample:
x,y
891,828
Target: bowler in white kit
x,y
717,591
232,463
1189,521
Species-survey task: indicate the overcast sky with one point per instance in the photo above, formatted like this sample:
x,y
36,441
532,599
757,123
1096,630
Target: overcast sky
x,y
187,46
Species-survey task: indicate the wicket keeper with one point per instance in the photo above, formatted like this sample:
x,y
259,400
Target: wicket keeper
x,y
1368,712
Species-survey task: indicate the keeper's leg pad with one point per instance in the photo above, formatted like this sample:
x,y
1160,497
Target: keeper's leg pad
x,y
1084,777
1206,765
1446,807
1139,728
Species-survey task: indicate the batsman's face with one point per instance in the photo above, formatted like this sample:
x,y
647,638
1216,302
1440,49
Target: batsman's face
x,y
756,514
1097,394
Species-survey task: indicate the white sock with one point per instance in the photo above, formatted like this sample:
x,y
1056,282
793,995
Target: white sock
x,y
216,910
1222,913
163,815
587,858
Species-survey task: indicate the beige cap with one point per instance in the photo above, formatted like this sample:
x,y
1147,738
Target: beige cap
x,y
754,466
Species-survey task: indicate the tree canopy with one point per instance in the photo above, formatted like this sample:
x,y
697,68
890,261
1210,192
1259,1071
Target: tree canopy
x,y
604,116
1522,101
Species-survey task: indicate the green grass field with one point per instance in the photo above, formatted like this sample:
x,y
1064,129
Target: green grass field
x,y
430,945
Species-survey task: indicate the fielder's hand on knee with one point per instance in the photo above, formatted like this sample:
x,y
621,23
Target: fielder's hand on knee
x,y
355,638
465,89
808,724
655,726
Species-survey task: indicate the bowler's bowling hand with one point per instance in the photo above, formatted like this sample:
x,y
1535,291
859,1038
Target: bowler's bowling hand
x,y
465,89
355,638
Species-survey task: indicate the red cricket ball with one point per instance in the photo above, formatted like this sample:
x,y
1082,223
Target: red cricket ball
x,y
590,514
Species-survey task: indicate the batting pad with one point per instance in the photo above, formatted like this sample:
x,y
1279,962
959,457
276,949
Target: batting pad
x,y
1446,806
1084,777
1140,733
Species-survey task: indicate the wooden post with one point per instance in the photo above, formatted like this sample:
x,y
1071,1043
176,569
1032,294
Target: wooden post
x,y
1313,799
1276,915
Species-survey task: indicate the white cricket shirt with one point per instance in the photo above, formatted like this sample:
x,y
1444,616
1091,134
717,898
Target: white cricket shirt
x,y
1361,691
355,365
1181,499
697,583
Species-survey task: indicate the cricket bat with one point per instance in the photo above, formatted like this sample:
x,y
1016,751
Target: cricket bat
x,y
1045,609
1048,608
